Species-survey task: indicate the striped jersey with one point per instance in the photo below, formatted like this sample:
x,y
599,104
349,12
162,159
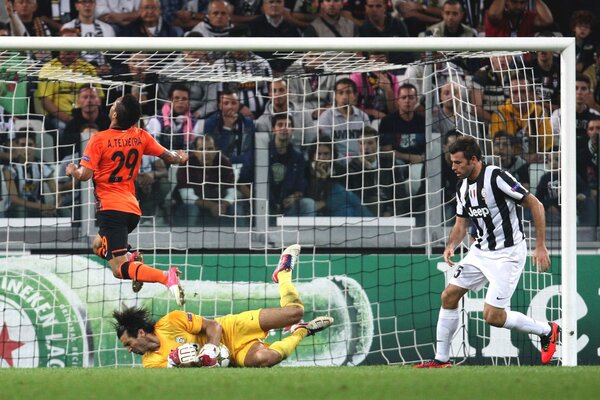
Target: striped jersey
x,y
491,203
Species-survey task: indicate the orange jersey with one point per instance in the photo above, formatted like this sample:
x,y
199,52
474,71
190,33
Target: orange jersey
x,y
115,156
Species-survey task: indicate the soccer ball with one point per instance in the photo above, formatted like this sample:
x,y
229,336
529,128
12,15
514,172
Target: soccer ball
x,y
223,360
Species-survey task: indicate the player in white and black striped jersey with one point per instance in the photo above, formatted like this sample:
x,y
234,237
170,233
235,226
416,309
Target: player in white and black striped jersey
x,y
488,198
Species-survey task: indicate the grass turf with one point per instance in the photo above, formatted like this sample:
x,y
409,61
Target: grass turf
x,y
365,383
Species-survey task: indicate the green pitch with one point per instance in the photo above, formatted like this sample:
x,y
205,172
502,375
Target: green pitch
x,y
364,383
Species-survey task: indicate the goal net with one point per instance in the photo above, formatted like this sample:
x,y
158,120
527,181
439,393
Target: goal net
x,y
344,152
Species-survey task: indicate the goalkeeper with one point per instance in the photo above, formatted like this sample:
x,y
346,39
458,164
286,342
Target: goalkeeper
x,y
173,340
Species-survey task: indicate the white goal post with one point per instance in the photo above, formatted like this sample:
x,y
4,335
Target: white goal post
x,y
563,46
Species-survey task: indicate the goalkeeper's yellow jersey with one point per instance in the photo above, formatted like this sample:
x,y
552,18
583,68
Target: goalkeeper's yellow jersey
x,y
240,332
173,330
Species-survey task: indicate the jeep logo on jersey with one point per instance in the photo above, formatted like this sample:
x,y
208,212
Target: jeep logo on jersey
x,y
479,212
42,323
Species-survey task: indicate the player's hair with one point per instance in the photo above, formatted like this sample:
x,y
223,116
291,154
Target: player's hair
x,y
582,17
323,140
449,134
468,145
178,86
590,120
131,320
453,3
504,134
205,138
227,92
406,85
346,81
369,132
128,111
279,117
580,77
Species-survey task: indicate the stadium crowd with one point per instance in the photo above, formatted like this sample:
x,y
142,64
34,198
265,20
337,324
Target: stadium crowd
x,y
341,145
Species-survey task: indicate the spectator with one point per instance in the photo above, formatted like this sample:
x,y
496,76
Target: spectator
x,y
587,161
25,178
273,24
142,84
88,111
150,23
313,88
548,193
233,132
451,26
287,175
376,89
583,23
68,187
522,116
374,177
449,178
546,78
489,86
327,184
87,25
593,72
56,13
151,187
281,103
417,14
218,20
244,12
344,122
184,13
251,93
474,13
59,97
404,131
379,23
118,13
330,22
14,90
203,95
174,127
583,111
511,18
23,22
179,13
510,161
453,112
210,175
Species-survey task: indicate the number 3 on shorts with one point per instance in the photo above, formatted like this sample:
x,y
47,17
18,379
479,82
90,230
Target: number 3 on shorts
x,y
458,271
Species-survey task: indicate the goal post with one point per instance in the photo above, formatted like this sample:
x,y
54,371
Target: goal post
x,y
434,230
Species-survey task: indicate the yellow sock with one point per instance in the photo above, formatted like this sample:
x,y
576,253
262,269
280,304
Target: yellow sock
x,y
288,295
286,346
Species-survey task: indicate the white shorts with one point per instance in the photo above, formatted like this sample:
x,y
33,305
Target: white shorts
x,y
501,268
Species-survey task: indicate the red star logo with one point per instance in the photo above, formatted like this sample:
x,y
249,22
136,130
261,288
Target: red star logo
x,y
7,346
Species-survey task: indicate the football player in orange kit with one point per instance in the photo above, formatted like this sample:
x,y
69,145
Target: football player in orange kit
x,y
112,160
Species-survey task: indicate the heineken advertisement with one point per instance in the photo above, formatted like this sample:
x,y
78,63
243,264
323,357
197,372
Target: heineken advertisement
x,y
55,311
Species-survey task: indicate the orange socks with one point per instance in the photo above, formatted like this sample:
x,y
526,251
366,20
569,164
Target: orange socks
x,y
142,273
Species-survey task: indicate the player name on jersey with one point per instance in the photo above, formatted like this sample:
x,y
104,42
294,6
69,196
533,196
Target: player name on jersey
x,y
123,142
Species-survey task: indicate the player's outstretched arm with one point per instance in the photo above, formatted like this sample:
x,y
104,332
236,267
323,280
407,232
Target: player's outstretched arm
x,y
80,173
175,157
459,230
540,258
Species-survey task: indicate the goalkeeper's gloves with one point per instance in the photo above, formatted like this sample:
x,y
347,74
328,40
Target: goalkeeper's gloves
x,y
208,355
184,356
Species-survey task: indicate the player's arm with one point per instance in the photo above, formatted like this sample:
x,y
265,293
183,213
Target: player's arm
x,y
540,256
80,173
459,230
209,353
174,157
